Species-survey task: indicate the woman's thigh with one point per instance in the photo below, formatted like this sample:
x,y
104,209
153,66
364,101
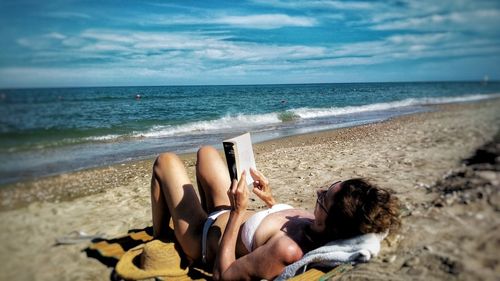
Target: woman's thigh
x,y
213,176
185,209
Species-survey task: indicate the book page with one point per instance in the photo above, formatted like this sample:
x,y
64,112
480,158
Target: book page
x,y
243,154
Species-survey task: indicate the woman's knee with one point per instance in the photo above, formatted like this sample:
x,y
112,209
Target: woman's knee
x,y
206,151
166,160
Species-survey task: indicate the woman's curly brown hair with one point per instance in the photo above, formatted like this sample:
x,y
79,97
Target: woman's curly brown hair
x,y
361,207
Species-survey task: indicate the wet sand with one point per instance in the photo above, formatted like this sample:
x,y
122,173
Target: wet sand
x,y
443,236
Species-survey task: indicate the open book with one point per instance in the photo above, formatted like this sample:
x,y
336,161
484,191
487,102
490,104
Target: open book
x,y
239,156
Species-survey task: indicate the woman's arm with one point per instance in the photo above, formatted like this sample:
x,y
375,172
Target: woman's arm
x,y
267,261
261,188
238,195
225,266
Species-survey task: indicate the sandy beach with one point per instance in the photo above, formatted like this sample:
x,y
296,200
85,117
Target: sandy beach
x,y
443,236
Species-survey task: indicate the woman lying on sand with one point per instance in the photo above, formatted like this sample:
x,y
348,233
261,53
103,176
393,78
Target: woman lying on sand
x,y
242,244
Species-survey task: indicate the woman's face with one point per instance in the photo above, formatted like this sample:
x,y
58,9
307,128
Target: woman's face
x,y
323,204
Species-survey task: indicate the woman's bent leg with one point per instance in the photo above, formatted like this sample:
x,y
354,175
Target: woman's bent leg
x,y
173,195
161,214
213,179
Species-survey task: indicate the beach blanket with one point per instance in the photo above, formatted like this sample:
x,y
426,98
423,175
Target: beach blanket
x,y
114,248
353,250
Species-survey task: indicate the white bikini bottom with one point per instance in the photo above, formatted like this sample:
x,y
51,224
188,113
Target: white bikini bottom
x,y
208,223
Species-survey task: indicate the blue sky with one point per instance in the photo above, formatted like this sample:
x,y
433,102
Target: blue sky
x,y
119,43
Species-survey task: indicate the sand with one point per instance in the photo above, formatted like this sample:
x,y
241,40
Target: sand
x,y
443,236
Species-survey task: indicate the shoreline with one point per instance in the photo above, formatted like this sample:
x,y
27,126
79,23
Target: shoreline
x,y
74,184
407,154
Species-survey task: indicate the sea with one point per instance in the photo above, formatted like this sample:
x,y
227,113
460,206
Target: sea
x,y
49,131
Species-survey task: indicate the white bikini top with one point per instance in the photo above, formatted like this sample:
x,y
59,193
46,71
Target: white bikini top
x,y
250,226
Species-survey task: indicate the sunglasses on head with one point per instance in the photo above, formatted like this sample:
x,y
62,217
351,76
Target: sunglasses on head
x,y
321,197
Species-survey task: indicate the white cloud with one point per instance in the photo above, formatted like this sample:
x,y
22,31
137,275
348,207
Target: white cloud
x,y
430,38
55,35
105,35
190,45
257,21
104,47
34,43
265,21
324,4
481,20
67,15
73,42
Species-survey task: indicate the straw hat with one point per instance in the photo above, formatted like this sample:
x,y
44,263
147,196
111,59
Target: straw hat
x,y
153,259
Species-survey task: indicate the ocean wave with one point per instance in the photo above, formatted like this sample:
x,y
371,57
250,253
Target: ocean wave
x,y
249,121
224,123
307,113
287,116
43,144
263,121
460,99
103,138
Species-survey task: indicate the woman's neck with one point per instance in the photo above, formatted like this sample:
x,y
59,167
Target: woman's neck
x,y
305,237
313,238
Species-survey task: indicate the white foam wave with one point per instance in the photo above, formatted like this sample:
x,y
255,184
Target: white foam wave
x,y
306,112
461,99
224,123
103,138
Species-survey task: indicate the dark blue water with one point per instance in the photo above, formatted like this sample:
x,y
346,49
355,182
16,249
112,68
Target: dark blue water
x,y
47,131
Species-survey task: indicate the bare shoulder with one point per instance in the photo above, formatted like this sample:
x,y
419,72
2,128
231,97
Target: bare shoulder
x,y
271,258
285,249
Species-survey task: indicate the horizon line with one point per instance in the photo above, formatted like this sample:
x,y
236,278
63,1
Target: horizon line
x,y
244,84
